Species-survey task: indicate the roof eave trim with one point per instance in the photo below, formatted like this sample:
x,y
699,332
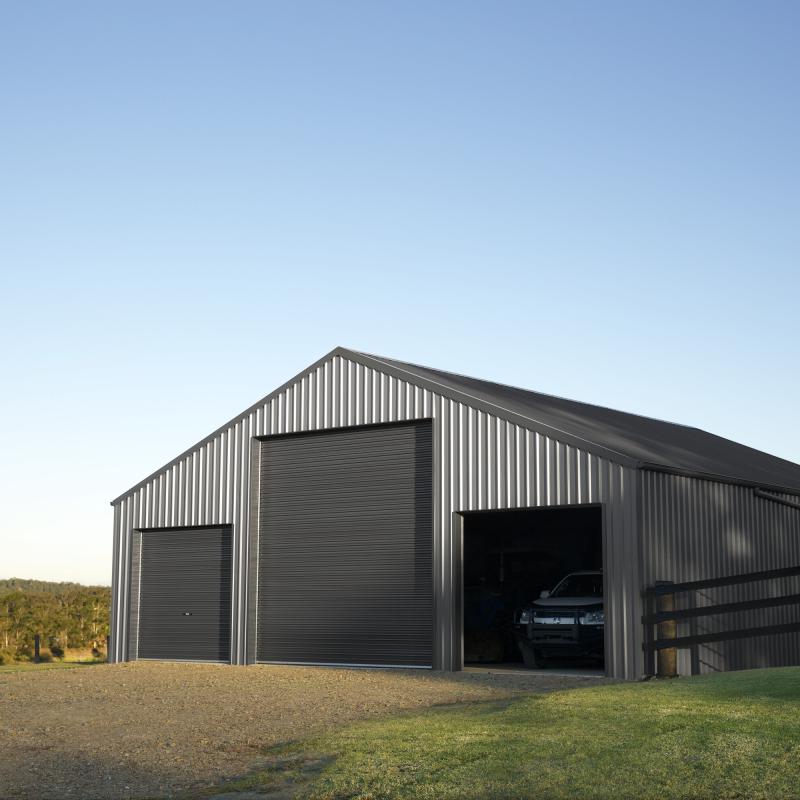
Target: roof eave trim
x,y
710,476
776,498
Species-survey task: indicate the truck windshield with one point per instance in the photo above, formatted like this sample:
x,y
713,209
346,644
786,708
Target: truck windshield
x,y
580,586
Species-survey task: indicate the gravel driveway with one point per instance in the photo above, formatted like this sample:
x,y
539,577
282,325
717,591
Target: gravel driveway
x,y
148,729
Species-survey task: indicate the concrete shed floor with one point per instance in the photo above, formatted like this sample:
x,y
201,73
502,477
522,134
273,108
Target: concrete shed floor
x,y
151,729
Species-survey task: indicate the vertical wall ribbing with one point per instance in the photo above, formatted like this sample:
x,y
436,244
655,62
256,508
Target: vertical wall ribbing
x,y
480,462
694,529
112,621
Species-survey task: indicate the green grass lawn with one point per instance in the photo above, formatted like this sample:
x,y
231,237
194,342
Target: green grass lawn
x,y
735,735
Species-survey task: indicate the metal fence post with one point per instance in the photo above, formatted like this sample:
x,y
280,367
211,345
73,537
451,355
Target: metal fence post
x,y
36,642
667,659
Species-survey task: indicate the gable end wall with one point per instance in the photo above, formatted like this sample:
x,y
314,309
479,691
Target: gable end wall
x,y
480,462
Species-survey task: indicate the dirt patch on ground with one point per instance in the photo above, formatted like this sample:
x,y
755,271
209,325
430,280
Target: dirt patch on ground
x,y
149,729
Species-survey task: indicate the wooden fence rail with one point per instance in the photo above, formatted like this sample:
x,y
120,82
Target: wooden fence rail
x,y
662,616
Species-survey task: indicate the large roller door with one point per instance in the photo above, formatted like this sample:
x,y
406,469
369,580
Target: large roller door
x,y
185,594
345,547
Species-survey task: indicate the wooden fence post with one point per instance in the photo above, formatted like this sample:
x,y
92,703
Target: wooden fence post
x,y
36,641
667,660
649,653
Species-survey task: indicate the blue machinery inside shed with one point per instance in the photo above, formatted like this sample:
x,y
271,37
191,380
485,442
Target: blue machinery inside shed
x,y
677,504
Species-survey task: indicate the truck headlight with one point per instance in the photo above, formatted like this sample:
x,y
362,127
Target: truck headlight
x,y
524,616
591,618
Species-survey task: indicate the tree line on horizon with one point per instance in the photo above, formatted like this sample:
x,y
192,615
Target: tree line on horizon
x,y
66,616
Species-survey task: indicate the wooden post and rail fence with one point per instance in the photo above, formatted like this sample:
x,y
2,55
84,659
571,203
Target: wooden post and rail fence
x,y
661,617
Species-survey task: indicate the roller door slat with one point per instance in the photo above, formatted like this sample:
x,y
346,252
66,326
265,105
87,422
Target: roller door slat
x,y
185,595
345,547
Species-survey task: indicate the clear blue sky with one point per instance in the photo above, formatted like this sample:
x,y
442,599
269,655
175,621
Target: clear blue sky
x,y
596,200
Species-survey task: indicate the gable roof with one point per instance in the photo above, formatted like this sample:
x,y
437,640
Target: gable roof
x,y
629,439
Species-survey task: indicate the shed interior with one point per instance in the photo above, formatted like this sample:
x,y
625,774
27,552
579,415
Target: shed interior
x,y
510,556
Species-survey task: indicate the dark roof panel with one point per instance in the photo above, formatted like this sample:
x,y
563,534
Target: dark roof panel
x,y
650,442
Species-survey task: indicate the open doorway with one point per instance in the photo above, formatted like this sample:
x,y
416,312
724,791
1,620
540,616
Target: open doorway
x,y
510,558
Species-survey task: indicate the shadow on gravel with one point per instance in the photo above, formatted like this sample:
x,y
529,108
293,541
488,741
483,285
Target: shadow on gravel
x,y
50,773
278,777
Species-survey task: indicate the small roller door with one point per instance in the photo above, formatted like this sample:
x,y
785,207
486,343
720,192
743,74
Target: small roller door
x,y
345,547
185,594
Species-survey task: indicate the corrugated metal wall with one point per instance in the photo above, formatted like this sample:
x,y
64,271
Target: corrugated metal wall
x,y
694,529
480,462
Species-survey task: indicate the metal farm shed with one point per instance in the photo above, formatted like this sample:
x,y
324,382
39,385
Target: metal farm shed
x,y
329,523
